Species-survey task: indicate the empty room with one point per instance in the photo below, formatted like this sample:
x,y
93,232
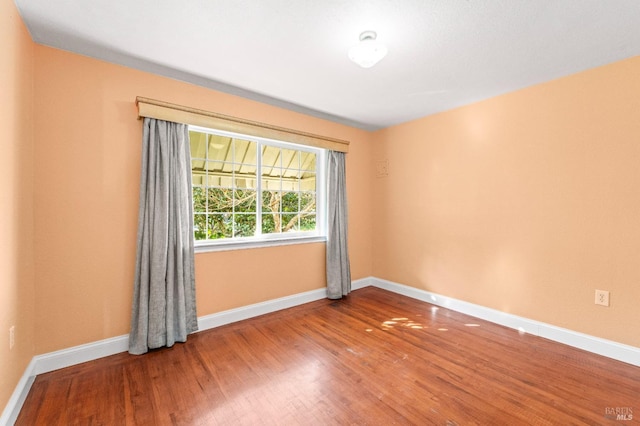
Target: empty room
x,y
347,212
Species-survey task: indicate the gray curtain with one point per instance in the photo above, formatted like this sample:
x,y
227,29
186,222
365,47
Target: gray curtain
x,y
338,268
164,307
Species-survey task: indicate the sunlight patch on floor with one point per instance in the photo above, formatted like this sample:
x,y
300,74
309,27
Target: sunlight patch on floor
x,y
401,322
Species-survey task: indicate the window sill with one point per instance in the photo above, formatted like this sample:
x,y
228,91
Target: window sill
x,y
242,245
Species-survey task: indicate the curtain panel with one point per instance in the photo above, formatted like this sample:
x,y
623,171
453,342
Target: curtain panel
x,y
338,266
164,307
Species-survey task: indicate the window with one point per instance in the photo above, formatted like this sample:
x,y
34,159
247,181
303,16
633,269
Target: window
x,y
249,190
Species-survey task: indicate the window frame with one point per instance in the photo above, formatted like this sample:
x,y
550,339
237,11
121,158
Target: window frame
x,y
274,239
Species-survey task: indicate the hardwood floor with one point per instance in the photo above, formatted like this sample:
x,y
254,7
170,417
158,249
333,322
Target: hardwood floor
x,y
374,358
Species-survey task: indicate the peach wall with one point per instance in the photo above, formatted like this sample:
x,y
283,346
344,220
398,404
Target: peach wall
x,y
16,200
525,203
88,164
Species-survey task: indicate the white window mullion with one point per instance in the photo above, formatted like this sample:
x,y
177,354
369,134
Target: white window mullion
x,y
238,172
259,189
233,188
321,191
206,186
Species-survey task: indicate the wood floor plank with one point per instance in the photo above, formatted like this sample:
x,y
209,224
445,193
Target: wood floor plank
x,y
373,358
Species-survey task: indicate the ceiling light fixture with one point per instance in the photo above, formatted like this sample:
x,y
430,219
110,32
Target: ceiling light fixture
x,y
368,52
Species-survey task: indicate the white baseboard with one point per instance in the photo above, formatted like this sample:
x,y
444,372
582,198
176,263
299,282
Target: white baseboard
x,y
78,354
362,283
233,315
53,361
608,348
12,409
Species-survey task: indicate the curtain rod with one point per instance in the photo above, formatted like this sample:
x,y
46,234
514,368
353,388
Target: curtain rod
x,y
181,114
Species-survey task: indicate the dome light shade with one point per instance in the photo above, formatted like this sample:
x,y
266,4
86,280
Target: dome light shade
x,y
368,52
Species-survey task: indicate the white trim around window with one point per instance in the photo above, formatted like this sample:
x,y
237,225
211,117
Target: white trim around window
x,y
257,167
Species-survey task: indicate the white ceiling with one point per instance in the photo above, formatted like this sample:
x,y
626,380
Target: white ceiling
x,y
293,53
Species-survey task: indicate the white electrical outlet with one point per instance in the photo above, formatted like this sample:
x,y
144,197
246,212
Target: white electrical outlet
x,y
12,336
602,297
